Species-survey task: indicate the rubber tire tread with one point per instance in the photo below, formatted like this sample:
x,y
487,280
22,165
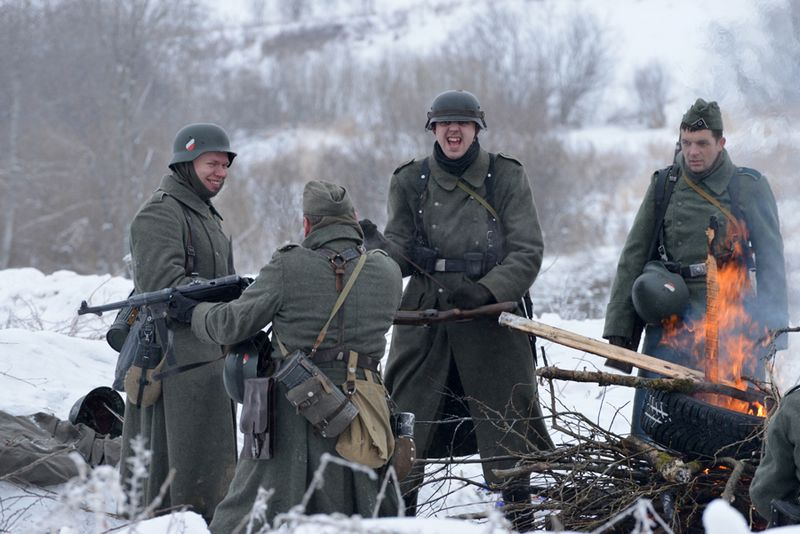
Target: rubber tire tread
x,y
694,427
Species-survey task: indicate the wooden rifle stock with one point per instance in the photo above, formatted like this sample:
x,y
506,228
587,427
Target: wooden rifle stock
x,y
432,315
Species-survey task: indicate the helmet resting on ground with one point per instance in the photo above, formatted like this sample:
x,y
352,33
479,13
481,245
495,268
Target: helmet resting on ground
x,y
455,106
195,139
658,293
247,359
101,410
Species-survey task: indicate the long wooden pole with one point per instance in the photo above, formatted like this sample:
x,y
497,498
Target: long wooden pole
x,y
599,348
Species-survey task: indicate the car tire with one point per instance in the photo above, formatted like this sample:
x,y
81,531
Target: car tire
x,y
696,428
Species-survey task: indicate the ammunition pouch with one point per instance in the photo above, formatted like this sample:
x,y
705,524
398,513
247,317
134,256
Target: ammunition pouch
x,y
315,396
783,513
257,422
473,264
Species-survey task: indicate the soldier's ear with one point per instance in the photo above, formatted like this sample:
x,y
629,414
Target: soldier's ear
x,y
306,226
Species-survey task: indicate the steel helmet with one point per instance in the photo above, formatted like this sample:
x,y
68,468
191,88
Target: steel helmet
x,y
658,293
102,410
454,106
247,359
195,139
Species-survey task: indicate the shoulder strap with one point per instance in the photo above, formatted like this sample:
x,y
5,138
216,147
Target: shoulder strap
x,y
339,301
666,179
487,202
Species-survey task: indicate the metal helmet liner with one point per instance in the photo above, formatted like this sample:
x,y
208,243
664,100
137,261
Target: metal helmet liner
x,y
195,139
247,359
455,106
102,410
658,293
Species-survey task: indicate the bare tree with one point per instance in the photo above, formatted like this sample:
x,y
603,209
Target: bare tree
x,y
650,83
582,66
101,99
766,72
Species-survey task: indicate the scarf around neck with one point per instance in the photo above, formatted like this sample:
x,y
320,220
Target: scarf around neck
x,y
456,167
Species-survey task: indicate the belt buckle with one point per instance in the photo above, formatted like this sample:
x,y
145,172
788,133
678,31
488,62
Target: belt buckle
x,y
697,269
440,265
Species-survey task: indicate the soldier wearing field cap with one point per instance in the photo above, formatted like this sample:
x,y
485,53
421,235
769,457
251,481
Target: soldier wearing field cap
x,y
297,292
670,228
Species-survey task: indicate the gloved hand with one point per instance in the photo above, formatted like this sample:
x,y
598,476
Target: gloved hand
x,y
180,308
624,342
471,296
373,239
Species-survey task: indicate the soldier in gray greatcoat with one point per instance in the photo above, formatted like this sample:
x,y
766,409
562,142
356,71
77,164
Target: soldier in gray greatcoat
x,y
777,477
296,292
176,236
706,184
463,224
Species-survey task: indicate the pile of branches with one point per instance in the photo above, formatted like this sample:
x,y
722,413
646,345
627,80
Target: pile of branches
x,y
597,477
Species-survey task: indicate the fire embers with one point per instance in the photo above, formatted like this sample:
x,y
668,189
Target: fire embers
x,y
724,340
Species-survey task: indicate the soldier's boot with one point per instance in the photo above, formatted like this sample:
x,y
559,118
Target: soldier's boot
x,y
517,508
410,502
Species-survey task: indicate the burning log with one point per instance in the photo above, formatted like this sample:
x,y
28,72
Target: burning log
x,y
712,306
677,385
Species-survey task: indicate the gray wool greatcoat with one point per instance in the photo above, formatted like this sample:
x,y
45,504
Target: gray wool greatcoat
x,y
191,428
778,473
296,292
490,364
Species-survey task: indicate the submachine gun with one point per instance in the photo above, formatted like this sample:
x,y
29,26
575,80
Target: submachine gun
x,y
224,289
143,316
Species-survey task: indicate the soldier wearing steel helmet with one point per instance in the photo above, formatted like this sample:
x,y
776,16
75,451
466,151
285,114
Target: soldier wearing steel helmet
x,y
463,224
702,183
176,236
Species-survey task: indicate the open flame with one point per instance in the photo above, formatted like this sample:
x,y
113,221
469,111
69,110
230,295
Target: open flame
x,y
724,342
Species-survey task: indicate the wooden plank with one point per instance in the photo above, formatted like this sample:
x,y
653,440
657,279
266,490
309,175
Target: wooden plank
x,y
599,348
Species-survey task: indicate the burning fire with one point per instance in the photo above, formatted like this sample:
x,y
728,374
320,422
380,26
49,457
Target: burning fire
x,y
724,342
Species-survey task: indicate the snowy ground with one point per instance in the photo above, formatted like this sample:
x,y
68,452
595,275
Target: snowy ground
x,y
49,358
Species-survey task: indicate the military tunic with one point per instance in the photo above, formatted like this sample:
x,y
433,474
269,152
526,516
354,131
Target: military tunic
x,y
685,222
296,292
191,428
490,365
778,474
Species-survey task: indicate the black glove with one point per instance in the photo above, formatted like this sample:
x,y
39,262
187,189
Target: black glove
x,y
373,239
471,296
624,342
180,308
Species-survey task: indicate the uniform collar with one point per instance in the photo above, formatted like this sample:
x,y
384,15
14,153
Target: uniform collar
x,y
327,235
474,175
175,187
719,179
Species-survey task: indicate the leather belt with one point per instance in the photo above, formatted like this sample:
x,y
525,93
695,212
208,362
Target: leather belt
x,y
694,270
443,265
340,354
